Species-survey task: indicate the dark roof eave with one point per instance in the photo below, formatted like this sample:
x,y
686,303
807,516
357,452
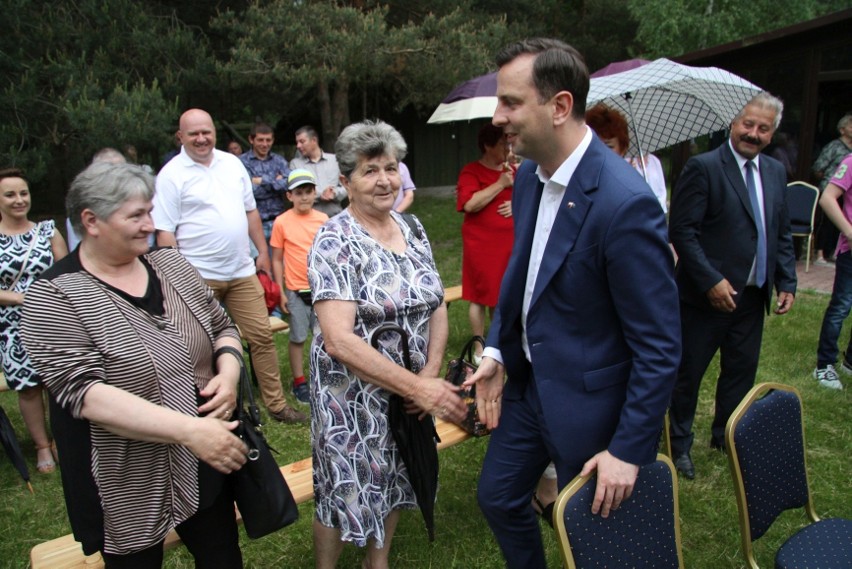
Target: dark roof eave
x,y
781,33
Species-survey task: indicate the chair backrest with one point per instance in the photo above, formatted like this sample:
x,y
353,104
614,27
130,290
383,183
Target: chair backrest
x,y
765,442
643,533
666,442
802,201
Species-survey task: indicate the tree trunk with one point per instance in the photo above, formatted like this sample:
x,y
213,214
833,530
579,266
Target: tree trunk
x,y
328,134
334,110
340,107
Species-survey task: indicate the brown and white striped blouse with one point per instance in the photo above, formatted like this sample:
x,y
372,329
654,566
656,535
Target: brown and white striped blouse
x,y
79,332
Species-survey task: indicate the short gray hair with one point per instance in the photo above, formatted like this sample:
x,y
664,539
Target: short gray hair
x,y
844,120
765,100
104,187
367,139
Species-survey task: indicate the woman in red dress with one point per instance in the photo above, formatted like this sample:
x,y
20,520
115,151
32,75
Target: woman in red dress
x,y
484,194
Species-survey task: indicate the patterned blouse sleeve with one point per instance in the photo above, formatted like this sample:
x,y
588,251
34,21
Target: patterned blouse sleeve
x,y
57,344
424,243
332,265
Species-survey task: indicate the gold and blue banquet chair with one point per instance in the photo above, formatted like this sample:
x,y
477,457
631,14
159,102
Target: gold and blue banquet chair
x,y
765,442
644,532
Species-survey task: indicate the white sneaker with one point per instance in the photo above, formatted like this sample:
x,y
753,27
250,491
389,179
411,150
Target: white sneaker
x,y
846,367
827,377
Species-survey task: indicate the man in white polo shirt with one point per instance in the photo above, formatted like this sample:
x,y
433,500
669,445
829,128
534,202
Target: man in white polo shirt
x,y
205,207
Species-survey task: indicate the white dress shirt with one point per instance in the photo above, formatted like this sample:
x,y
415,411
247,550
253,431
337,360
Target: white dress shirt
x,y
548,207
758,185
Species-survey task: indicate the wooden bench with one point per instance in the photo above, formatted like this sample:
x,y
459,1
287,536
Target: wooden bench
x,y
278,325
275,323
66,553
452,294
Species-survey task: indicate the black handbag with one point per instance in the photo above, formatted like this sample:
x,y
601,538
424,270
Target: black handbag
x,y
262,495
458,370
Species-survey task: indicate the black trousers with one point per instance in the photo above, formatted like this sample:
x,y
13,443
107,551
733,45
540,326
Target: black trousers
x,y
737,335
210,535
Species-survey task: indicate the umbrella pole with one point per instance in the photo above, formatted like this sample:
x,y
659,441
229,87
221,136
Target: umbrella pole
x,y
627,97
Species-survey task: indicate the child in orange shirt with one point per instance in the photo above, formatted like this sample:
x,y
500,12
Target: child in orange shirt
x,y
292,235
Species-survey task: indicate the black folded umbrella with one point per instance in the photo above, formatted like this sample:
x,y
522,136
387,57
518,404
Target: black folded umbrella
x,y
13,449
415,439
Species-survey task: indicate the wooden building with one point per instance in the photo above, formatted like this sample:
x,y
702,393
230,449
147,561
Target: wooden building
x,y
807,65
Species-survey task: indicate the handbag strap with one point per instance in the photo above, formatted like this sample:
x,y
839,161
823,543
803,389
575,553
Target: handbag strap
x,y
244,392
467,350
26,258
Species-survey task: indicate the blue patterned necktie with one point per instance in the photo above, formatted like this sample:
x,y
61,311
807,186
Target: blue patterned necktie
x,y
760,258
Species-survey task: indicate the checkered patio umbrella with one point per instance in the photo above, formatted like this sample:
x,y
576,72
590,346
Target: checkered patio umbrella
x,y
667,102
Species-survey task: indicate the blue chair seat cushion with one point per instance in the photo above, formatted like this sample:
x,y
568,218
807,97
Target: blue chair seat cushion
x,y
826,544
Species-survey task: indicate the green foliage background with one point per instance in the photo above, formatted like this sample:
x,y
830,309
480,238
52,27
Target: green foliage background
x,y
78,75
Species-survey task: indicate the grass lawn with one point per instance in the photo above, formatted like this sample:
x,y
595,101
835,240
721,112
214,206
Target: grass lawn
x,y
707,506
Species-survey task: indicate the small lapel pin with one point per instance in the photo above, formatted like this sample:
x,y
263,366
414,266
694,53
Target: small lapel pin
x,y
570,205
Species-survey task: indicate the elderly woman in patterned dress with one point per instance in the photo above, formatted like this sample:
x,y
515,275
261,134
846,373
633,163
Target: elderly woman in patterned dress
x,y
142,363
26,250
368,267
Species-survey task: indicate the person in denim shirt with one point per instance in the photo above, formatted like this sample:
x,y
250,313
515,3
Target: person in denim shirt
x,y
268,172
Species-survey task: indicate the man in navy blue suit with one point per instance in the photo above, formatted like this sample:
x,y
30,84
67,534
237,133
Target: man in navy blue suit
x,y
731,230
587,326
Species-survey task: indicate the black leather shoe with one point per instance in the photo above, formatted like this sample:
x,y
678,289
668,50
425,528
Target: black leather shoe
x,y
683,464
717,445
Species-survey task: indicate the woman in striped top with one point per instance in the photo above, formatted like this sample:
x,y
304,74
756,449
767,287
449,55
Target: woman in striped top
x,y
142,366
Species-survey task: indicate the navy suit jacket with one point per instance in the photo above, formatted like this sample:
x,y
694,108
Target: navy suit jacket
x,y
603,323
713,230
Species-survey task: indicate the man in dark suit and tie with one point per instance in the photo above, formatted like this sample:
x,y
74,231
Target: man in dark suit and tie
x,y
730,228
587,324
